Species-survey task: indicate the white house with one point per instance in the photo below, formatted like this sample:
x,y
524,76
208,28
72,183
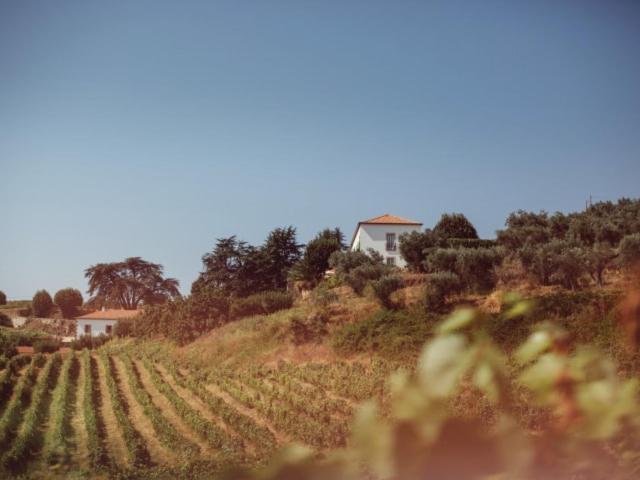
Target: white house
x,y
381,234
101,322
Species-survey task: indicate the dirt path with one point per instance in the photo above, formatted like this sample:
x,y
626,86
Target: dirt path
x,y
255,416
194,402
170,413
113,437
141,423
79,454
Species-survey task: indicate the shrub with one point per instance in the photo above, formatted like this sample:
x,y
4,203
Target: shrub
x,y
260,304
309,329
361,276
384,287
389,333
345,262
42,304
323,296
46,345
471,243
440,286
442,260
275,301
3,298
415,246
476,267
630,250
68,300
5,321
124,327
8,345
89,342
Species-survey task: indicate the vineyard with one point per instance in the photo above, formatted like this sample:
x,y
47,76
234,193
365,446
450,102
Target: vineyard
x,y
125,412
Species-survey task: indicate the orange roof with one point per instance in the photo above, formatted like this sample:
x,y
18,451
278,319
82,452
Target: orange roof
x,y
387,219
110,314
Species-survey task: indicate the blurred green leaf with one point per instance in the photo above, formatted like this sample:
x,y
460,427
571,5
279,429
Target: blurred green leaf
x,y
443,363
537,343
372,440
458,320
518,309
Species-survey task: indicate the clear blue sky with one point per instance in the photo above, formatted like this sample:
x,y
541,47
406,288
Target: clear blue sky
x,y
151,128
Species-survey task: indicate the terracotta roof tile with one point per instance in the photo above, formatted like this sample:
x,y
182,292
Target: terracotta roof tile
x,y
111,314
387,219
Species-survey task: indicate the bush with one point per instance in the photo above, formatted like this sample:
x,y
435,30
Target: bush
x,y
415,246
361,276
384,287
442,260
46,345
389,333
25,312
260,304
8,344
89,342
439,287
476,267
345,262
310,329
42,304
471,243
5,321
3,298
124,327
323,296
68,300
630,250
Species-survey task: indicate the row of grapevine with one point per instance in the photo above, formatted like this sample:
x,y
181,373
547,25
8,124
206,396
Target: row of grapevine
x,y
217,437
166,432
330,432
95,442
261,437
301,428
9,376
138,454
22,392
57,438
29,432
355,381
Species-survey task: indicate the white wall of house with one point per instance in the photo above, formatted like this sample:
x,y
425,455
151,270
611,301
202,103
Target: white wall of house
x,y
375,236
97,327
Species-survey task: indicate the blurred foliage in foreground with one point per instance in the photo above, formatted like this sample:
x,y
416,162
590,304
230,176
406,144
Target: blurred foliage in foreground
x,y
591,428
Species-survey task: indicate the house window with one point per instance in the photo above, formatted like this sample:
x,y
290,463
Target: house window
x,y
391,242
109,329
87,329
391,261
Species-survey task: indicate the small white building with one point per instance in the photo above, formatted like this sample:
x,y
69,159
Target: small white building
x,y
381,234
101,322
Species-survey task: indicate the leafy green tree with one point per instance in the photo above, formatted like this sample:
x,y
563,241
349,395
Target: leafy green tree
x,y
455,225
282,252
3,298
315,260
130,283
415,246
68,301
42,304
